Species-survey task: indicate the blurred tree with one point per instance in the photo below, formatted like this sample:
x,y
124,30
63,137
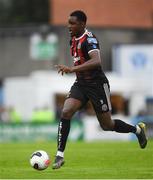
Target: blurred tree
x,y
24,11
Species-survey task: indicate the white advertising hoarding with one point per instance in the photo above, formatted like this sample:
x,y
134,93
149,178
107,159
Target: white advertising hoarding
x,y
134,61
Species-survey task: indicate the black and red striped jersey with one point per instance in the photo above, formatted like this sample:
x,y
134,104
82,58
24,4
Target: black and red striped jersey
x,y
80,49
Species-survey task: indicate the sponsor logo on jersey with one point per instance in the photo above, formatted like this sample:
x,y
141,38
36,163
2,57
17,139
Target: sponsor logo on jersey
x,y
94,46
92,40
76,59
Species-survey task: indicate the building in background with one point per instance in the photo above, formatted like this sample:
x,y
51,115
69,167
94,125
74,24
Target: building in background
x,y
34,37
106,13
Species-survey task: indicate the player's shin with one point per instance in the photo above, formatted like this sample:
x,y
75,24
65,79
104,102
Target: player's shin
x,y
122,127
63,132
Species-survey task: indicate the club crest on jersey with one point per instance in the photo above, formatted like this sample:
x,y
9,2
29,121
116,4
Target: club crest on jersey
x,y
76,59
104,107
92,40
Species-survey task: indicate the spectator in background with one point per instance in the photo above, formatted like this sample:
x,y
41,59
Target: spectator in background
x,y
14,116
1,113
1,99
9,115
4,115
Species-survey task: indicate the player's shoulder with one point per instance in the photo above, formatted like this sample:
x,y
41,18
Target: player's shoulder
x,y
89,34
91,38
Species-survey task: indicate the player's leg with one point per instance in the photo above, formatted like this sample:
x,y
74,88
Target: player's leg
x,y
102,105
117,125
75,100
120,126
71,105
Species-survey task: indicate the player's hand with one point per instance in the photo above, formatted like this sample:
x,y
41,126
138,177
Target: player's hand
x,y
63,69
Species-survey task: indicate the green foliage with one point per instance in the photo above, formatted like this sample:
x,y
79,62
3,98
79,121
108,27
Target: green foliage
x,y
24,11
103,160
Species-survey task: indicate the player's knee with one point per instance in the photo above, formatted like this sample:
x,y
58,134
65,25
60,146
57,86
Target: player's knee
x,y
67,113
106,127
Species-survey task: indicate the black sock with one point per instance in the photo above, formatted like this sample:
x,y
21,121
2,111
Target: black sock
x,y
63,132
122,127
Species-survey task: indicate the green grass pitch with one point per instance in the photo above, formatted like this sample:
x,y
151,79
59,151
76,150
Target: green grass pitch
x,y
98,160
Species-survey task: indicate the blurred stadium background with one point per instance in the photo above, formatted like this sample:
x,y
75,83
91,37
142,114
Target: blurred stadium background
x,y
34,37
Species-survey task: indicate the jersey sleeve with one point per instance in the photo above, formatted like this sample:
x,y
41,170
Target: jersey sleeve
x,y
91,44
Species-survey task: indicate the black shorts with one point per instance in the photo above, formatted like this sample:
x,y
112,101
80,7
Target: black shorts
x,y
98,93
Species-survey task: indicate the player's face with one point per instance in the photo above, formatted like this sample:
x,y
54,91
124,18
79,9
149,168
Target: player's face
x,y
76,28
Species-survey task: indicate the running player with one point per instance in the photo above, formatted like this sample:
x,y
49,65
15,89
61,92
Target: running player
x,y
91,84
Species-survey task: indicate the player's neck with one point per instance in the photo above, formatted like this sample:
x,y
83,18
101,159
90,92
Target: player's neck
x,y
81,34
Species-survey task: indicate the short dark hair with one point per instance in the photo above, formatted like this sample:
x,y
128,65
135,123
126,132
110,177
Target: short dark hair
x,y
81,16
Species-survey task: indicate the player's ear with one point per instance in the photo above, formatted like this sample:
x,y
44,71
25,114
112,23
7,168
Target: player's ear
x,y
83,24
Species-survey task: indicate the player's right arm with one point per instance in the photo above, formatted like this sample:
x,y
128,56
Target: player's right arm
x,y
95,61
